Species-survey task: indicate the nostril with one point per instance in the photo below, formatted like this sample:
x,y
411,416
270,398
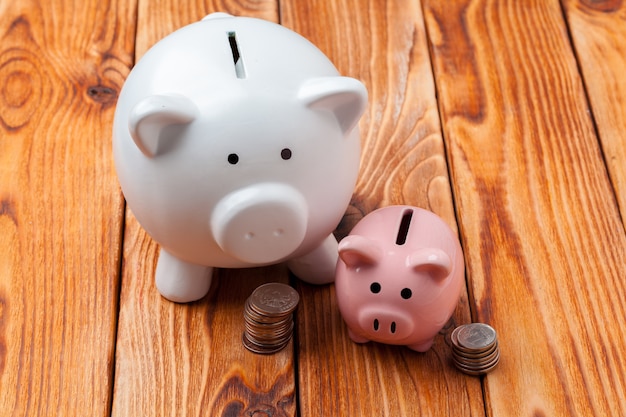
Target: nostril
x,y
393,327
376,324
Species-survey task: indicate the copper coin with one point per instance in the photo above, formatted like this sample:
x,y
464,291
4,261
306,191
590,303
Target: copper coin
x,y
267,324
475,360
268,318
253,347
251,314
268,336
478,372
475,349
484,367
268,341
494,357
274,299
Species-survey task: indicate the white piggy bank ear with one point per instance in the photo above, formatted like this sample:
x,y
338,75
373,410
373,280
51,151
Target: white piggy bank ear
x,y
433,261
356,251
150,117
345,97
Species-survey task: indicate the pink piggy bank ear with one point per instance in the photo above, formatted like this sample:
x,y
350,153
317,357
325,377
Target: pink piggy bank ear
x,y
356,251
433,261
149,118
345,97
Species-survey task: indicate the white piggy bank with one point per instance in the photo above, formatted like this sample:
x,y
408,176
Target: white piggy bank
x,y
236,144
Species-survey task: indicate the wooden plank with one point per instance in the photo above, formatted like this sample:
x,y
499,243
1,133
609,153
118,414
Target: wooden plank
x,y
188,359
539,223
598,31
61,210
403,162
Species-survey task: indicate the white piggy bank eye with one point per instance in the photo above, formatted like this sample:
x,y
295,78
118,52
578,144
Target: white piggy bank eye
x,y
285,154
233,158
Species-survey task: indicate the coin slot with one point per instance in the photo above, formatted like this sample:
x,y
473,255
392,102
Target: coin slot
x,y
240,70
403,230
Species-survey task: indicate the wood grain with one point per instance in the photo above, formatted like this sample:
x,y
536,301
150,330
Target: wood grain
x,y
188,359
518,104
598,32
538,217
403,162
158,21
60,207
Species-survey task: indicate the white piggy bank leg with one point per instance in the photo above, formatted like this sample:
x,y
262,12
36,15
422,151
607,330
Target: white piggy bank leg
x,y
317,266
181,281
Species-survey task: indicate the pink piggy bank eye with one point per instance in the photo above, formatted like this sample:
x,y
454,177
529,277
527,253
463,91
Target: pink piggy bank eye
x,y
406,293
375,287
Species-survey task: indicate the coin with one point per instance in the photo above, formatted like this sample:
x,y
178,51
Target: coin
x,y
475,348
476,372
274,299
476,358
268,318
477,365
476,336
259,349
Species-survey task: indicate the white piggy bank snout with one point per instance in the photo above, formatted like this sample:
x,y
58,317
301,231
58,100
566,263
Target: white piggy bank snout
x,y
261,223
236,144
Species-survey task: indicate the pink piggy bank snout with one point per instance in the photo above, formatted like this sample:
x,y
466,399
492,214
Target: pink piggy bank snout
x,y
385,324
399,277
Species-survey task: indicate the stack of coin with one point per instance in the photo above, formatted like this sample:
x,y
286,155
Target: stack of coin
x,y
268,316
475,348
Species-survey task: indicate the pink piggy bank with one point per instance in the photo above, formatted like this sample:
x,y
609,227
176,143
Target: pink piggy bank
x,y
399,277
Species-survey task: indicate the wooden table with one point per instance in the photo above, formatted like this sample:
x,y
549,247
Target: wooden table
x,y
506,118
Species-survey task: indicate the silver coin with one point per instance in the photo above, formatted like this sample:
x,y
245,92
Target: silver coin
x,y
470,354
478,372
456,346
458,356
476,336
475,349
494,357
483,367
